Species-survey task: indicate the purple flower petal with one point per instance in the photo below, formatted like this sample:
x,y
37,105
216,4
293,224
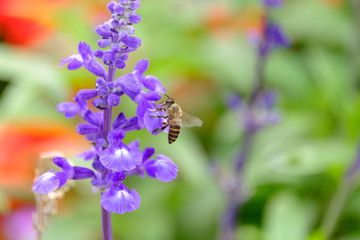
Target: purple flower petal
x,y
120,121
120,200
90,132
133,124
121,159
116,177
87,155
116,136
109,57
130,85
64,164
152,123
162,168
140,111
74,62
113,100
85,51
141,66
103,31
147,153
92,118
111,6
135,4
69,109
49,182
82,173
135,18
86,94
103,43
147,97
100,103
98,53
153,84
98,166
120,64
96,68
132,42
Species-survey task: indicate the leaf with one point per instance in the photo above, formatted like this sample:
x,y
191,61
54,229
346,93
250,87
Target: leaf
x,y
288,217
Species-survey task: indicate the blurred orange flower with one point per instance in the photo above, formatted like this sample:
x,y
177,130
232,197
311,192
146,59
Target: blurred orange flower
x,y
221,20
21,146
27,22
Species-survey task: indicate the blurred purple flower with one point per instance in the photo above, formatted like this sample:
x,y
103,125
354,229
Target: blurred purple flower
x,y
18,225
272,3
273,38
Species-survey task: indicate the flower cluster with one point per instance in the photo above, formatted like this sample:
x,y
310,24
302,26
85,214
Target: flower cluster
x,y
258,115
271,36
112,159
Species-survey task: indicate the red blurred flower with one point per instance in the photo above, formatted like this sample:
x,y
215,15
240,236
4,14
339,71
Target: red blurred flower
x,y
24,22
21,145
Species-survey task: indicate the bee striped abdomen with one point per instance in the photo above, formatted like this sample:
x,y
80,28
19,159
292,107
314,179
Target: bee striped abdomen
x,y
174,131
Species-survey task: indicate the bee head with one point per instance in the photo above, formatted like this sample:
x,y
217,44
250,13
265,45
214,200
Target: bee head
x,y
169,101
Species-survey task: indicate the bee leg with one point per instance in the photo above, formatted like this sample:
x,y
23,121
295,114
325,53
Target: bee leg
x,y
159,116
161,128
159,109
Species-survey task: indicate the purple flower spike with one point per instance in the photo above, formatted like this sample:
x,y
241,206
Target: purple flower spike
x,y
162,168
274,37
120,199
111,159
69,109
121,159
272,3
49,182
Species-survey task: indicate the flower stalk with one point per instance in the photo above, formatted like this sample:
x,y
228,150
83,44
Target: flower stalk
x,y
340,196
259,104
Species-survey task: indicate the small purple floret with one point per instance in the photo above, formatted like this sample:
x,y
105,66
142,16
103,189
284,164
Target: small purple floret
x,y
162,168
69,109
49,182
120,199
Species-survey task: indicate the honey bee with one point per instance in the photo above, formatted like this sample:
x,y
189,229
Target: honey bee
x,y
176,118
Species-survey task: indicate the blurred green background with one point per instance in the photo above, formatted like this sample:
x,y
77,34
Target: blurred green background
x,y
199,50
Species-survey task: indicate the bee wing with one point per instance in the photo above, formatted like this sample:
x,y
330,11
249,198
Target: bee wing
x,y
188,120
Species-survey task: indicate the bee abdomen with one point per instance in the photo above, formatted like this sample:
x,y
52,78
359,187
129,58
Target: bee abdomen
x,y
174,131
